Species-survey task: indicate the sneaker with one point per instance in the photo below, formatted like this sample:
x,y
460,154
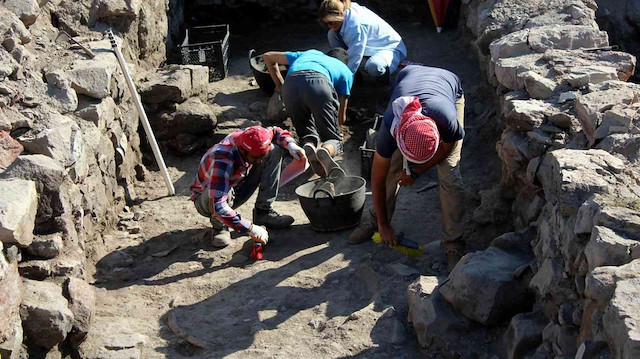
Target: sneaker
x,y
221,238
316,165
328,163
362,234
271,219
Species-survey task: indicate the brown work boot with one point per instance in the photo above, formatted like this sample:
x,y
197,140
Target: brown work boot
x,y
271,219
362,234
221,238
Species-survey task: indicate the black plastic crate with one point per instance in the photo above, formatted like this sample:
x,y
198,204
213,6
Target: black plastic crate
x,y
207,46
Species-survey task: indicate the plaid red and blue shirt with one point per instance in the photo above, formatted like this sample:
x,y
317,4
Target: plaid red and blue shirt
x,y
222,168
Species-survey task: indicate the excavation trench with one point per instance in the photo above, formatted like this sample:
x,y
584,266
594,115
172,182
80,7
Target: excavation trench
x,y
312,294
549,165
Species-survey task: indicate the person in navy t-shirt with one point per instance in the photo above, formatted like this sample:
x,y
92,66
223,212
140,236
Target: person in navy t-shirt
x,y
410,143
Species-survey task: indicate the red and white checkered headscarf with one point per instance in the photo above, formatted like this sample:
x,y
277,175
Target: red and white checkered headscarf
x,y
416,134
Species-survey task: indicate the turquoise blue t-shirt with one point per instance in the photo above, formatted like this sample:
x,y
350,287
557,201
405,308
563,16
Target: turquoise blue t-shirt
x,y
335,70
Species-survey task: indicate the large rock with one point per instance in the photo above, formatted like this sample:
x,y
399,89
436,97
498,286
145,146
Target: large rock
x,y
601,283
175,84
493,207
433,318
567,64
49,177
509,70
18,207
101,113
543,38
489,20
111,338
538,86
105,9
572,176
82,302
26,10
621,320
625,220
483,285
45,316
10,149
526,208
46,246
608,248
420,290
71,262
11,346
11,294
92,78
62,142
624,144
515,150
62,96
590,108
587,212
580,76
524,334
190,117
550,280
511,45
619,117
525,115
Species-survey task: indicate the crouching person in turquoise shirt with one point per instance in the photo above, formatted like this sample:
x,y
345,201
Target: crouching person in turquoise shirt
x,y
315,92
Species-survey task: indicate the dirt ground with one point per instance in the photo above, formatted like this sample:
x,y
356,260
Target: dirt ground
x,y
313,295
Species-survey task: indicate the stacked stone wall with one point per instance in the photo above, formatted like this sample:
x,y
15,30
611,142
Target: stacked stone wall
x,y
570,169
69,156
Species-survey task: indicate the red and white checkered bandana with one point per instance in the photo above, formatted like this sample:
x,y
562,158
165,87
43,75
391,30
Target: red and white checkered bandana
x,y
416,134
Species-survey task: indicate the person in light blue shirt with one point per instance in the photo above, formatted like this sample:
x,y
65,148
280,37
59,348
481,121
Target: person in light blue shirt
x,y
364,35
315,92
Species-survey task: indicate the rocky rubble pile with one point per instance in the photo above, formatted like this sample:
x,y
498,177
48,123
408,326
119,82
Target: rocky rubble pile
x,y
566,280
69,155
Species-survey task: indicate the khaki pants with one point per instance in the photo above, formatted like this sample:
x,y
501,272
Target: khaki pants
x,y
451,190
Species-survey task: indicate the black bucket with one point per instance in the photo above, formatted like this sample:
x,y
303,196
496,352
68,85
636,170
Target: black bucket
x,y
333,212
261,74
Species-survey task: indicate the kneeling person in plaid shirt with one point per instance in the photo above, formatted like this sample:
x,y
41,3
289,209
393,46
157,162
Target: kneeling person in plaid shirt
x,y
231,171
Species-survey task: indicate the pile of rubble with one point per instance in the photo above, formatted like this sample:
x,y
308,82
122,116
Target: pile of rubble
x,y
566,280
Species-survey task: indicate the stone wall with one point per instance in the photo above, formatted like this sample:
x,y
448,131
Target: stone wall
x,y
69,155
564,281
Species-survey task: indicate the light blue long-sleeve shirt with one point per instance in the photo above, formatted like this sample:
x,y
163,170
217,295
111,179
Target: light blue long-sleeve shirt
x,y
365,34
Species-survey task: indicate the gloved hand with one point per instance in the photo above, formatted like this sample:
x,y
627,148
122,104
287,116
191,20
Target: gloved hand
x,y
295,151
259,234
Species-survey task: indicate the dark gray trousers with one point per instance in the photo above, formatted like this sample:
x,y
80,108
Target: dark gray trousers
x,y
313,104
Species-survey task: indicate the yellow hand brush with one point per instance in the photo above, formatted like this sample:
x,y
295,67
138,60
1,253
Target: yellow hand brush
x,y
405,246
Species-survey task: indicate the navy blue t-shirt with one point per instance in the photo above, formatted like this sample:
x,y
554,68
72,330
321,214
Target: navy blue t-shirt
x,y
438,90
